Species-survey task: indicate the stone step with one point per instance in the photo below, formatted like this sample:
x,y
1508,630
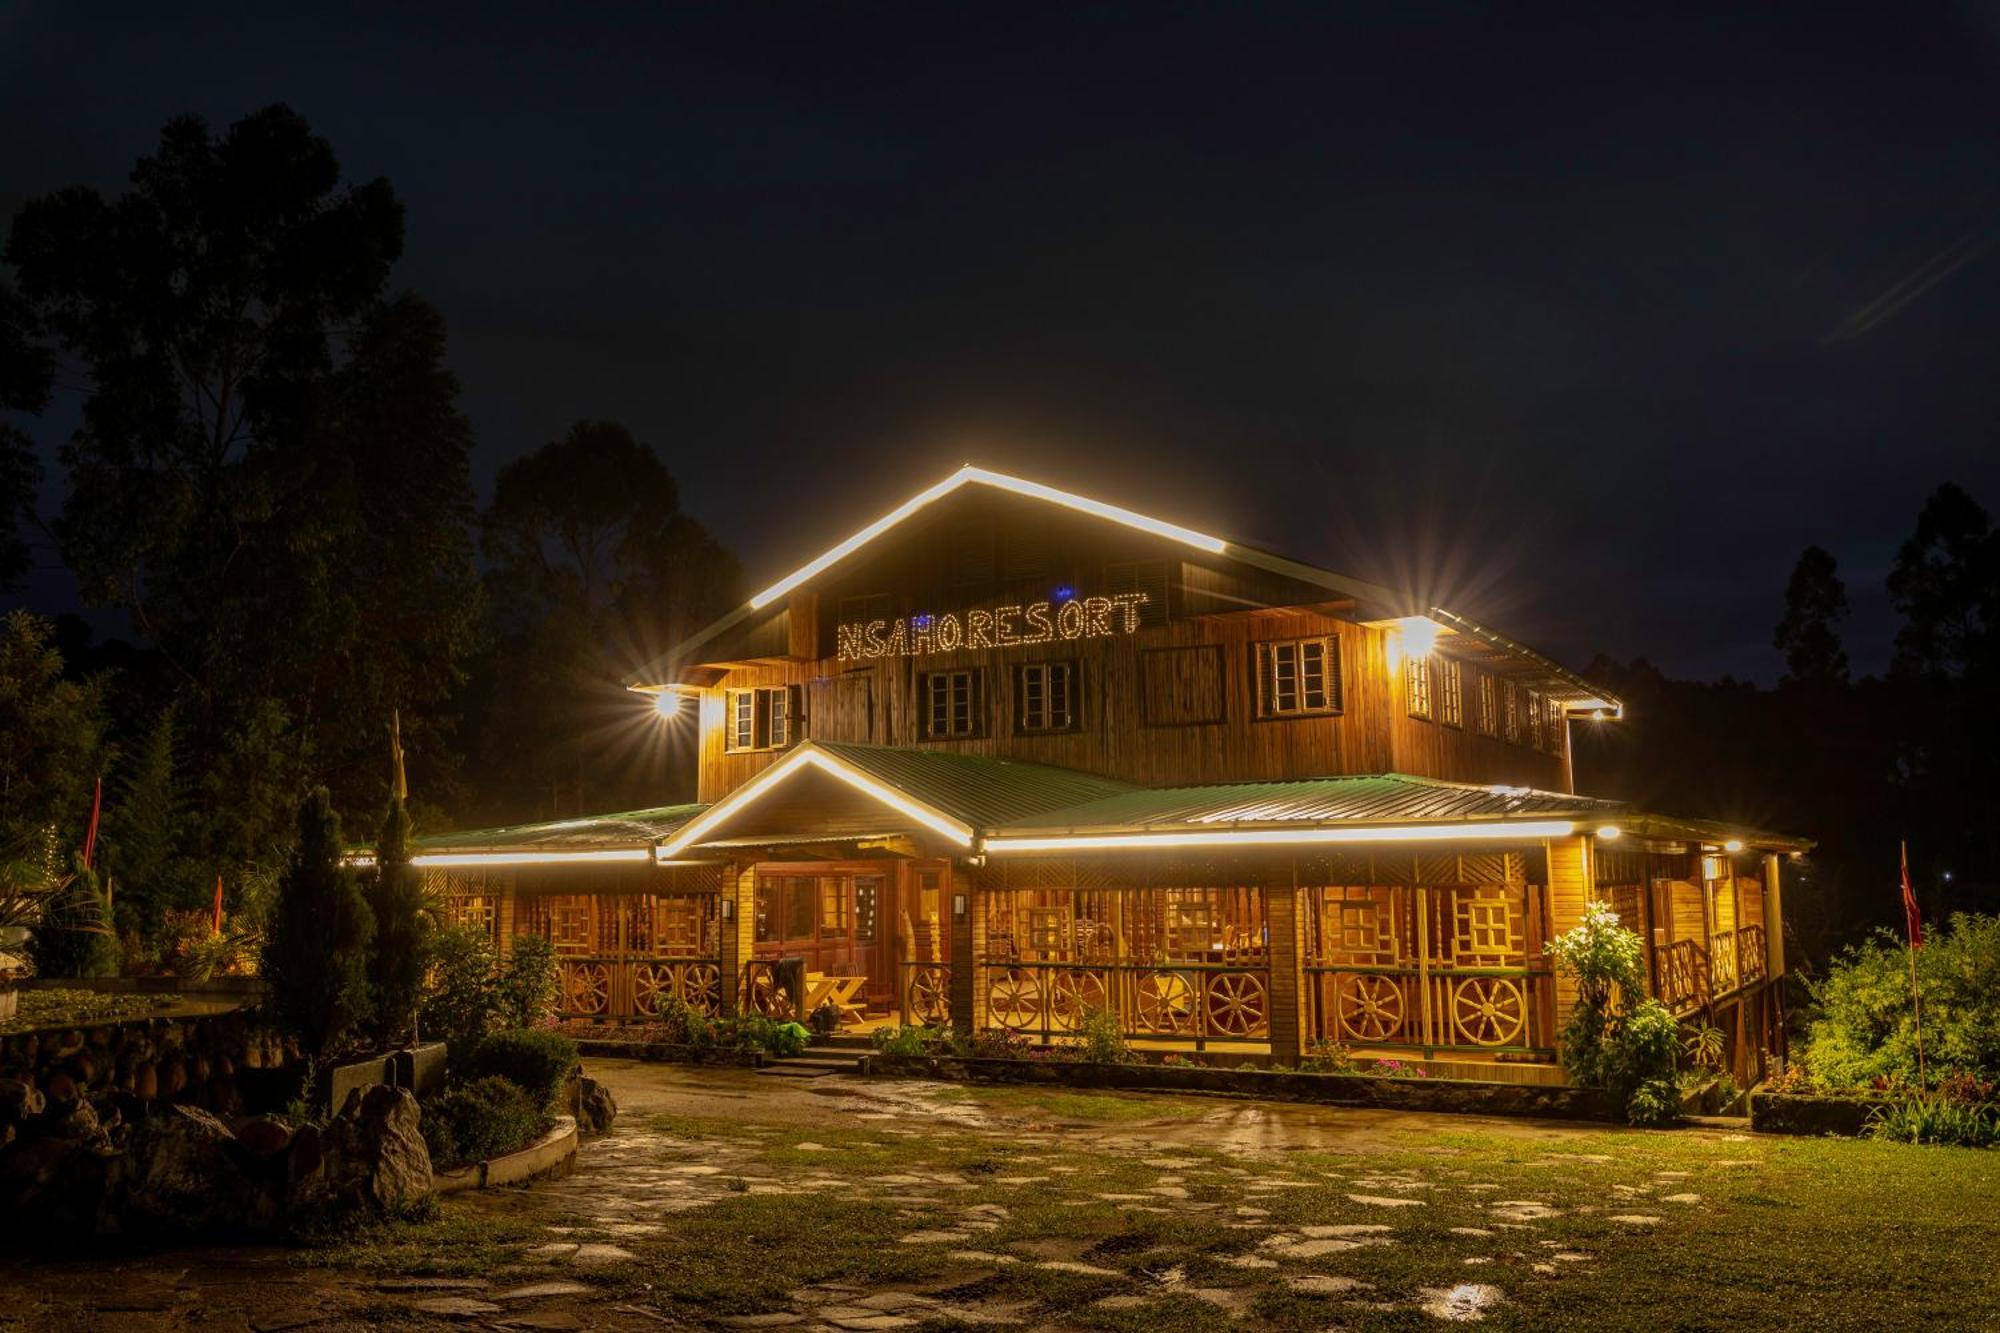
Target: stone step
x,y
793,1069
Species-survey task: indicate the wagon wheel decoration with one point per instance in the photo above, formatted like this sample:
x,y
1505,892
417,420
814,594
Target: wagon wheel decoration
x,y
650,981
1370,1007
1166,1002
587,988
928,994
763,995
1073,995
1014,999
701,988
1488,1011
1237,1004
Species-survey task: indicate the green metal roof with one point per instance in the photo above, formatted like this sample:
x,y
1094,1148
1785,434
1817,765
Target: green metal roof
x,y
630,828
978,789
1377,798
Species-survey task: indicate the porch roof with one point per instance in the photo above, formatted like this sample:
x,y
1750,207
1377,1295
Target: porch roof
x,y
629,828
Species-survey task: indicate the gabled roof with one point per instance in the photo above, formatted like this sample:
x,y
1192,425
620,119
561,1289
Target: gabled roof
x,y
958,796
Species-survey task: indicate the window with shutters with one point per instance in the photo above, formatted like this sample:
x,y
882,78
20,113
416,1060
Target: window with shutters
x,y
1045,696
1298,677
952,707
1553,726
1489,705
767,718
1451,692
1534,710
1510,710
1417,685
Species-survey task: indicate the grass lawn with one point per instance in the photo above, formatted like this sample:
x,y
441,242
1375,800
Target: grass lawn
x,y
1124,1211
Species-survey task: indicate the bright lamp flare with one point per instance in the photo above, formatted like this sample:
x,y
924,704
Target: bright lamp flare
x,y
668,703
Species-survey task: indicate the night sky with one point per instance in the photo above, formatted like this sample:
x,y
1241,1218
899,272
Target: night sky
x,y
1591,326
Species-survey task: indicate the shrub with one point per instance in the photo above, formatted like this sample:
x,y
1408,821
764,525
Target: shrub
x,y
1629,1051
525,992
1865,1028
397,958
753,1032
74,937
902,1040
536,1061
1328,1057
316,954
682,1026
1100,1040
488,1117
1938,1119
459,1003
1706,1047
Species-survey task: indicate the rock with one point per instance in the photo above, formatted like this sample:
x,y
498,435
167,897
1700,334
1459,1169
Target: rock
x,y
595,1107
185,1175
76,1120
375,1156
20,1100
264,1135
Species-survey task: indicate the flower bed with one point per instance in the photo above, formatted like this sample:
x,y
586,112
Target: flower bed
x,y
1461,1096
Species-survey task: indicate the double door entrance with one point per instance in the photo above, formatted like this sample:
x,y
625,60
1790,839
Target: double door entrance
x,y
852,918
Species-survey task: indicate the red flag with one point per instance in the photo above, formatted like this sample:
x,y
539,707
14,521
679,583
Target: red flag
x,y
218,904
1912,921
96,811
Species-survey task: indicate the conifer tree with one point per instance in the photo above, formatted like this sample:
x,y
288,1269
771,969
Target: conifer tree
x,y
316,952
395,897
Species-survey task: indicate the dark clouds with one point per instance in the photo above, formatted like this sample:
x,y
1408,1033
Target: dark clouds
x,y
1564,315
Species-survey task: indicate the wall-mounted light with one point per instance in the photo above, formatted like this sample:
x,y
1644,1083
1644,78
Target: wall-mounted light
x,y
959,906
1733,845
728,909
1609,833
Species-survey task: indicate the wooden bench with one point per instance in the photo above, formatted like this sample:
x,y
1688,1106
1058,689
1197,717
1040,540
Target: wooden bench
x,y
841,992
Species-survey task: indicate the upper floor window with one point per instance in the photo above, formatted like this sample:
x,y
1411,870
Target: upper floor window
x,y
1510,709
1417,684
766,718
1451,692
1298,678
1045,696
1535,718
1553,727
952,706
1489,705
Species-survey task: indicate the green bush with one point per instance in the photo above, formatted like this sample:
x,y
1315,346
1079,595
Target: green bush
x,y
1328,1057
525,992
1936,1118
488,1117
753,1032
316,952
74,937
398,956
536,1061
1100,1040
1630,1051
903,1040
458,1003
1864,1030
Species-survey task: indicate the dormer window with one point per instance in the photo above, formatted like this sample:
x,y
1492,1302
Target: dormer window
x,y
766,718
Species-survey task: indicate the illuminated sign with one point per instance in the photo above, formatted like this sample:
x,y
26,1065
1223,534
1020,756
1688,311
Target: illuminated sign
x,y
990,627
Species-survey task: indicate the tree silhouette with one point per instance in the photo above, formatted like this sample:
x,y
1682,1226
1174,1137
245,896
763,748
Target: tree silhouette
x,y
1815,607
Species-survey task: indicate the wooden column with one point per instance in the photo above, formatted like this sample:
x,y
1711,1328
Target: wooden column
x,y
1774,920
1569,890
739,886
968,940
1283,923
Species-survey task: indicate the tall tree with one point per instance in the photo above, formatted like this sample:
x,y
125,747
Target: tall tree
x,y
593,569
316,949
51,744
26,372
395,891
1946,584
1815,607
270,474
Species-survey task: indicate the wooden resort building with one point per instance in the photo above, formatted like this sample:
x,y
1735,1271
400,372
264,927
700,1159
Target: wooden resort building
x,y
1009,754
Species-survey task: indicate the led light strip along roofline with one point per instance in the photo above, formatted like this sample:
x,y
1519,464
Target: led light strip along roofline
x,y
597,856
1200,540
938,823
1518,829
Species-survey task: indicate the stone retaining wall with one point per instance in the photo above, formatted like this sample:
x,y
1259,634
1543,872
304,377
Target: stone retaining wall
x,y
1406,1094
